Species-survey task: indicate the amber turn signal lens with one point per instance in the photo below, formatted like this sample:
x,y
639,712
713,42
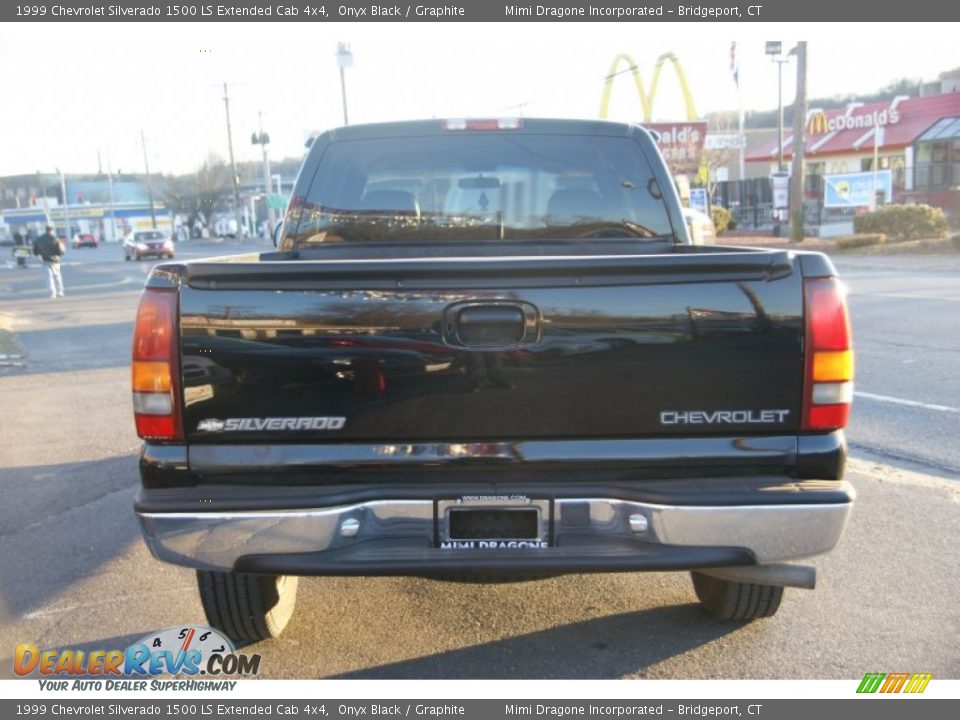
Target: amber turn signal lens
x,y
832,366
151,376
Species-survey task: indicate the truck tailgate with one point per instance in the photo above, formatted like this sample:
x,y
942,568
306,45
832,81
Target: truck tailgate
x,y
692,343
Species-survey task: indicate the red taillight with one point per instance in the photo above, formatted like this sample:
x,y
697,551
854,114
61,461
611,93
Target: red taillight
x,y
828,364
155,372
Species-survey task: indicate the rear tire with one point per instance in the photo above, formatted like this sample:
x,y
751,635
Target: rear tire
x,y
730,600
247,608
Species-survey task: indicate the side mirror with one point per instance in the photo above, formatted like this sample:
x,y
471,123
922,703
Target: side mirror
x,y
277,233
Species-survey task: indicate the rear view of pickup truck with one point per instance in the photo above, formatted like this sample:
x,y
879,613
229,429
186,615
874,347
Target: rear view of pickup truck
x,y
487,350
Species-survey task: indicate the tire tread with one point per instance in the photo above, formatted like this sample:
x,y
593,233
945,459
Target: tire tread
x,y
731,600
247,608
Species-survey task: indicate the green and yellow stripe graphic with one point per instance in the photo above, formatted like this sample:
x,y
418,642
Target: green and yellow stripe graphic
x,y
894,682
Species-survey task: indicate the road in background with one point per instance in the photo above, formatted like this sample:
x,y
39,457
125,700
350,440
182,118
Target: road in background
x,y
76,574
905,313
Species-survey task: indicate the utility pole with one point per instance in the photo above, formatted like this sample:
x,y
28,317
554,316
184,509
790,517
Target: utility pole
x,y
66,203
797,180
233,164
146,164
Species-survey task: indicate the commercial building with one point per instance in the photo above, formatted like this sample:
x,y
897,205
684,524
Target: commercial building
x,y
104,205
917,139
107,222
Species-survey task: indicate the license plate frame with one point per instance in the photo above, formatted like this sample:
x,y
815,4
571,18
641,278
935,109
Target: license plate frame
x,y
511,518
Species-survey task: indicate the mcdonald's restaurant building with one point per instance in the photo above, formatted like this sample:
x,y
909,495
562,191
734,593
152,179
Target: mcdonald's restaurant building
x,y
917,138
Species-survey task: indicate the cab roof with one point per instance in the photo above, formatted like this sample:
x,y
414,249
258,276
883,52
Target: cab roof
x,y
442,126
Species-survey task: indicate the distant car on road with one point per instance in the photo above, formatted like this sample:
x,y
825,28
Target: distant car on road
x,y
147,243
81,240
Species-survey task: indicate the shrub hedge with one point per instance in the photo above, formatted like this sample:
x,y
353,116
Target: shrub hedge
x,y
722,219
905,222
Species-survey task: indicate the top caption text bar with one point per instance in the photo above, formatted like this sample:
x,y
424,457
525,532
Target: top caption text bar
x,y
484,11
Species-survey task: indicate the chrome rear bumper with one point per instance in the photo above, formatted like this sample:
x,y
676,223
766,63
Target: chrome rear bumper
x,y
768,533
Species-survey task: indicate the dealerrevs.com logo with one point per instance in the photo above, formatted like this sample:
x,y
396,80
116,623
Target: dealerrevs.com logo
x,y
894,682
192,651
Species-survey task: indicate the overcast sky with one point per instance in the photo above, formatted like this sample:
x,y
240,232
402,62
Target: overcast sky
x,y
71,90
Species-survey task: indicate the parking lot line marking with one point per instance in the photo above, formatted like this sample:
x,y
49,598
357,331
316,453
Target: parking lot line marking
x,y
908,403
61,609
30,294
907,296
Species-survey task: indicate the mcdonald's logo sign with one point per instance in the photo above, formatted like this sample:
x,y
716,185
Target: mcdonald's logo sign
x,y
913,683
817,123
646,99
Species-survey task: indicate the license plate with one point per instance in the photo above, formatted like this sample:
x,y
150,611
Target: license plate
x,y
493,524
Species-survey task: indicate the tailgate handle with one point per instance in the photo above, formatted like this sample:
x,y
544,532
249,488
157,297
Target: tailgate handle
x,y
491,325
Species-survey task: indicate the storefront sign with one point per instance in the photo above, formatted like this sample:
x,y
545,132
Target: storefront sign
x,y
700,200
819,124
725,141
681,144
856,189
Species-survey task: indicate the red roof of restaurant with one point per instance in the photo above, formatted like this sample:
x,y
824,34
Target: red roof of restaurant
x,y
915,115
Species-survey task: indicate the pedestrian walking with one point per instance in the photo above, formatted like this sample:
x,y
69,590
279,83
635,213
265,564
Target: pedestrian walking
x,y
50,250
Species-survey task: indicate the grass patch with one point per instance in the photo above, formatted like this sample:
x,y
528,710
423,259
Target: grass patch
x,y
926,246
860,240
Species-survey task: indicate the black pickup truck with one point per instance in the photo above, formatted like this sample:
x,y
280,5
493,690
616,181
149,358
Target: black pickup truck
x,y
487,350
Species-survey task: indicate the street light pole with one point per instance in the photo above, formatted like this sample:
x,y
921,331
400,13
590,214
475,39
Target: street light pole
x,y
780,115
344,60
774,49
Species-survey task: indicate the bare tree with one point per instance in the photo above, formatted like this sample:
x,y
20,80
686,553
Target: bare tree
x,y
199,195
720,124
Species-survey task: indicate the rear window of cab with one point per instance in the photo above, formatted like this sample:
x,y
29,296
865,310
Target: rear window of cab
x,y
482,187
